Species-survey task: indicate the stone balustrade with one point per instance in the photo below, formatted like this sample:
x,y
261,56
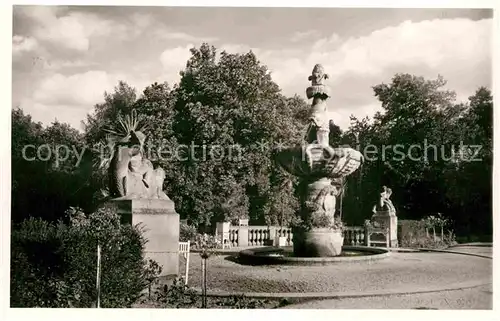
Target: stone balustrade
x,y
261,235
258,235
355,235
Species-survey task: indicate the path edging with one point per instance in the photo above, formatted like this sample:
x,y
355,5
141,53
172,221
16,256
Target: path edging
x,y
344,295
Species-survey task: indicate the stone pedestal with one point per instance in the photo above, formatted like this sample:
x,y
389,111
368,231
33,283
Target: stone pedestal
x,y
161,229
318,242
389,220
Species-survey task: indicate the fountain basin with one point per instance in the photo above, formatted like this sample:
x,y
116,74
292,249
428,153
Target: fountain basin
x,y
315,161
318,242
285,256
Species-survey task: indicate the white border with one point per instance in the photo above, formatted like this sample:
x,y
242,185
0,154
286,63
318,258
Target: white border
x,y
51,314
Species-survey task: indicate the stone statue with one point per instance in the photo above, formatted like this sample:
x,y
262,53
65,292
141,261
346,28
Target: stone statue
x,y
131,175
385,204
319,128
159,177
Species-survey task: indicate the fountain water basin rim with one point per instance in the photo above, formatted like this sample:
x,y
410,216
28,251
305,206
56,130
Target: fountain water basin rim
x,y
284,255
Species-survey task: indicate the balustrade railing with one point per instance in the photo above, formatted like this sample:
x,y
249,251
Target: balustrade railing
x,y
257,235
354,235
242,236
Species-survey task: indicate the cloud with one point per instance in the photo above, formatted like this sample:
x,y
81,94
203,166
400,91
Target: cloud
x,y
174,60
174,35
64,64
21,44
304,35
70,97
78,89
72,30
458,49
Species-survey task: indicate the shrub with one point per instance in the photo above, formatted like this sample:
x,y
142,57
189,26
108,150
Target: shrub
x,y
54,265
412,234
187,233
409,231
179,295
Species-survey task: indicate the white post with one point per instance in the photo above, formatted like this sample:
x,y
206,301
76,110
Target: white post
x,y
98,277
187,263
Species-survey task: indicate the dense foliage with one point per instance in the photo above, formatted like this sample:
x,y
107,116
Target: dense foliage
x,y
54,265
230,103
430,158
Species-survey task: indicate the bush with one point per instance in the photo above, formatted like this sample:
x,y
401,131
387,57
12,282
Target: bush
x,y
179,295
54,265
409,231
187,233
412,234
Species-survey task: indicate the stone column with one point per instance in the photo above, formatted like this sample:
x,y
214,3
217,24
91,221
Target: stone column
x,y
243,236
161,229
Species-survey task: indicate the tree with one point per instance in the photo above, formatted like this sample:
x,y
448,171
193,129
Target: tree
x,y
230,102
119,102
48,175
469,176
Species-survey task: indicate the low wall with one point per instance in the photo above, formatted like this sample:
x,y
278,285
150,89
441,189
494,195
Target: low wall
x,y
244,236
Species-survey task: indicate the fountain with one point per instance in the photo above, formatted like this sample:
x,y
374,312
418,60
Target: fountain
x,y
322,170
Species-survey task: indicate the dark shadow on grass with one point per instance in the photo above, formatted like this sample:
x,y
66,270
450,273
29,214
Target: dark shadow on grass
x,y
233,258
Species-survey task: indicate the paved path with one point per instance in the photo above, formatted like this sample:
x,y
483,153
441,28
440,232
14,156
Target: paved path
x,y
400,271
473,298
476,298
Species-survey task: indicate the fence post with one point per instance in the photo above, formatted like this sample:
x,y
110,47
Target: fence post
x,y
98,277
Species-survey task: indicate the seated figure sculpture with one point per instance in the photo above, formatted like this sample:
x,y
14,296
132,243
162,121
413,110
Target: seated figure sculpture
x,y
131,174
385,204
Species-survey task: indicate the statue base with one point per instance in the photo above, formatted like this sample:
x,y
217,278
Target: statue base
x,y
389,220
161,229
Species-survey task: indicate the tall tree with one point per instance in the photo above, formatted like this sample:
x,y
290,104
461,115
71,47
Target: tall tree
x,y
229,101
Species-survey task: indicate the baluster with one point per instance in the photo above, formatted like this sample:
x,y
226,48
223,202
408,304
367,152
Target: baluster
x,y
250,237
260,236
357,237
362,236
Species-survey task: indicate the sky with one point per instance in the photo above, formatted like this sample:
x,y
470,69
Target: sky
x,y
65,58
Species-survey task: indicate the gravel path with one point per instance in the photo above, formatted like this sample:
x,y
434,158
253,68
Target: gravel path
x,y
473,249
399,271
480,298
